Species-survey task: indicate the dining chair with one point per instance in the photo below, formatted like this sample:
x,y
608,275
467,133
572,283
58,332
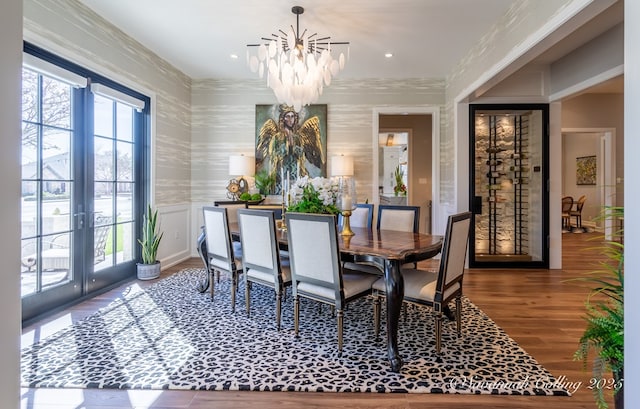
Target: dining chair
x,y
399,218
567,206
316,271
261,261
577,213
232,207
219,248
362,216
436,289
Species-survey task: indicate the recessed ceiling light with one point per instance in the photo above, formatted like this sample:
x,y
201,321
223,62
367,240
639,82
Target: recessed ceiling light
x,y
234,56
388,55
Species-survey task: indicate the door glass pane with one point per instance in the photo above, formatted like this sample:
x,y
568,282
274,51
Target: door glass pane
x,y
103,116
103,159
28,261
126,242
103,200
103,242
29,209
56,156
29,151
125,122
508,185
29,96
55,258
125,161
124,204
56,103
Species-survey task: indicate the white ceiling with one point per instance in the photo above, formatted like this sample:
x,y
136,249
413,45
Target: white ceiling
x,y
427,37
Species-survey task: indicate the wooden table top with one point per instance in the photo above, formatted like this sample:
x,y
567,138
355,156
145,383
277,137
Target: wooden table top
x,y
386,244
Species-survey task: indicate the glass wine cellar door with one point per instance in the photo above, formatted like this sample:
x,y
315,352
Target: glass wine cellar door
x,y
509,179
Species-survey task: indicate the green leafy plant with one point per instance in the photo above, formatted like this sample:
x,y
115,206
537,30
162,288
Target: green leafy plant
x,y
604,334
400,188
265,182
151,236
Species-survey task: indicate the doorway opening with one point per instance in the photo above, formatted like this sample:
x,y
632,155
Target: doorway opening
x,y
600,191
406,140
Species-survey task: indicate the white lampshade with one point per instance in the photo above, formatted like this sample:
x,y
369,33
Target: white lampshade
x,y
240,165
342,166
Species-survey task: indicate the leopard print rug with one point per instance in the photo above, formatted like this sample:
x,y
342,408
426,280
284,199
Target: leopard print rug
x,y
169,336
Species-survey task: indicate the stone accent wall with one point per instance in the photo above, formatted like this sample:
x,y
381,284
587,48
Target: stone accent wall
x,y
502,171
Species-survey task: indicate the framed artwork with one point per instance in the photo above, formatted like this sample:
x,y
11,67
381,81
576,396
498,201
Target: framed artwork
x,y
586,170
291,144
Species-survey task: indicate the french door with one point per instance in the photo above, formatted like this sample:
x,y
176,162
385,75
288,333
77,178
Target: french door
x,y
81,195
509,185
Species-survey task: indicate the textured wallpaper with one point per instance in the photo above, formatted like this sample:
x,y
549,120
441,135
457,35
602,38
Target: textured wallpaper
x,y
73,31
223,123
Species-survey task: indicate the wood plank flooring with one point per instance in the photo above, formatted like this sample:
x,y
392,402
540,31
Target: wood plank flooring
x,y
538,308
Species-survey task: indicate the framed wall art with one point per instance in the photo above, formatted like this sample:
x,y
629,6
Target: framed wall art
x,y
291,144
586,170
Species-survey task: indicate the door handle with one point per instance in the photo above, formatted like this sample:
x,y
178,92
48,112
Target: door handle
x,y
79,220
476,205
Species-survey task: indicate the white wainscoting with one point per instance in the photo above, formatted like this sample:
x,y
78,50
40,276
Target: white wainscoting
x,y
176,245
197,221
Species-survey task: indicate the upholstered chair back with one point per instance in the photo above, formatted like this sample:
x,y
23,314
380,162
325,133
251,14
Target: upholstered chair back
x,y
314,256
399,218
259,243
362,216
218,238
232,207
454,253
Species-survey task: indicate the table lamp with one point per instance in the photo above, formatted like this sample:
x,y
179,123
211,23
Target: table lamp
x,y
239,166
342,168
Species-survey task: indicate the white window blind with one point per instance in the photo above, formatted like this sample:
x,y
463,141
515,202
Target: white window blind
x,y
53,71
103,90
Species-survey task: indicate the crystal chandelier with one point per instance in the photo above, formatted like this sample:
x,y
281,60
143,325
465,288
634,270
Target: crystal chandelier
x,y
297,65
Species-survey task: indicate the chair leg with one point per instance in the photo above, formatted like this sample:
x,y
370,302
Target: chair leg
x,y
247,296
340,318
278,309
459,315
217,276
438,323
234,285
376,317
212,283
296,314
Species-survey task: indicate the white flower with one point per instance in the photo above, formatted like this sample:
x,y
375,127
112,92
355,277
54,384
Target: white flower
x,y
327,189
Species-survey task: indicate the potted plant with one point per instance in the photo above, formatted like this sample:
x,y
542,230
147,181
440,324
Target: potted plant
x,y
400,188
604,334
265,182
151,236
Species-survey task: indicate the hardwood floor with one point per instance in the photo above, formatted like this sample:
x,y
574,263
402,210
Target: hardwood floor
x,y
538,308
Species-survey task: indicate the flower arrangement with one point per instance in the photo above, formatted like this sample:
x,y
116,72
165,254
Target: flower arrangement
x,y
399,188
313,195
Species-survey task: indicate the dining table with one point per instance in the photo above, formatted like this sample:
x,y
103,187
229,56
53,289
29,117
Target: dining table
x,y
388,250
